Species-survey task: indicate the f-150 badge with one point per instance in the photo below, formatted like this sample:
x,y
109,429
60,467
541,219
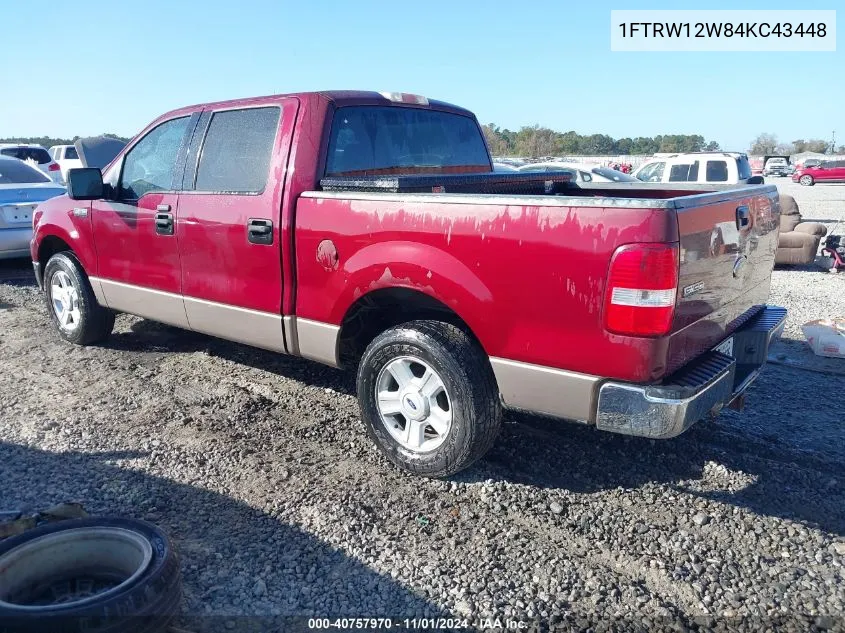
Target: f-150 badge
x,y
698,286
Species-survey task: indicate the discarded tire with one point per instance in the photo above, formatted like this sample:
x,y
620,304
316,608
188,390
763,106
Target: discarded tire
x,y
98,575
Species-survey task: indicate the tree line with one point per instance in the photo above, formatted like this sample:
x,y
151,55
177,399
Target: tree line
x,y
768,144
49,141
535,141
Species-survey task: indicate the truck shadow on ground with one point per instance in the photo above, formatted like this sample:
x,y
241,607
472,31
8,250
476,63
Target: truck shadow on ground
x,y
212,533
794,454
778,465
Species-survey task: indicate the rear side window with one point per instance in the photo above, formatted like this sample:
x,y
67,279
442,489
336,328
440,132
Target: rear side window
x,y
235,155
38,154
743,168
684,173
70,153
13,172
372,140
717,171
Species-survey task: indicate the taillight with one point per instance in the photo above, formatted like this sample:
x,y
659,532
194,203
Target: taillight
x,y
53,167
642,286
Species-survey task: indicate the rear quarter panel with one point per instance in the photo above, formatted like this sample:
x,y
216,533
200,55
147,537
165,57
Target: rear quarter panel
x,y
528,280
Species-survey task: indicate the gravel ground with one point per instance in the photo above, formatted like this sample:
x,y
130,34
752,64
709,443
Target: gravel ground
x,y
259,468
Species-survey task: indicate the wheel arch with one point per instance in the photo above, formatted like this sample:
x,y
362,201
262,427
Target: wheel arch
x,y
383,308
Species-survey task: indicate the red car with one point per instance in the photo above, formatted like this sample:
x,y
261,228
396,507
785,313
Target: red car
x,y
829,171
369,231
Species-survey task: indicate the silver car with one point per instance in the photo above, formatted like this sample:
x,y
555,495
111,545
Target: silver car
x,y
21,189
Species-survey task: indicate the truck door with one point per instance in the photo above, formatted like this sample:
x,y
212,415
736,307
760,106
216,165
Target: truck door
x,y
134,230
229,223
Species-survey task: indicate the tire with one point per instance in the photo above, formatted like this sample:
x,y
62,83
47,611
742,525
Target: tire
x,y
807,180
142,597
468,396
89,322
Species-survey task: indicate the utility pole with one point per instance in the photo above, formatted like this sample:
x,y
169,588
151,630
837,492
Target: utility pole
x,y
833,143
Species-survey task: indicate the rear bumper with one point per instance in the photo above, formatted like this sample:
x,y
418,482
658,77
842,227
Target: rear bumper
x,y
704,386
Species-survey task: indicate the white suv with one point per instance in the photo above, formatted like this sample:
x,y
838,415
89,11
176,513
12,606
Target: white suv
x,y
35,155
700,167
67,158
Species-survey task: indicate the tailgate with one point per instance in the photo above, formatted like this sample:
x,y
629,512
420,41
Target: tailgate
x,y
727,248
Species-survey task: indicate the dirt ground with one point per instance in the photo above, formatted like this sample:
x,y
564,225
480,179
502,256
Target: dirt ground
x,y
259,468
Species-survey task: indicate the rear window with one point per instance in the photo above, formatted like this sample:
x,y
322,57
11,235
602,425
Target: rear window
x,y
38,154
13,172
70,153
372,140
616,176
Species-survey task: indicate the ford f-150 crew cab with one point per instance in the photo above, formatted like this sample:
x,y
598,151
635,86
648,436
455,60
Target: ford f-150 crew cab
x,y
368,230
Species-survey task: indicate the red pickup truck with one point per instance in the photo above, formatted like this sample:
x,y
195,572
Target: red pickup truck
x,y
369,230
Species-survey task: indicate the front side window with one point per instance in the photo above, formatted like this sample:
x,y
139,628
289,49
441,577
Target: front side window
x,y
235,155
150,164
717,171
373,140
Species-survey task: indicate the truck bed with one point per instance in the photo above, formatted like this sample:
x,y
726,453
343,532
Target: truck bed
x,y
542,261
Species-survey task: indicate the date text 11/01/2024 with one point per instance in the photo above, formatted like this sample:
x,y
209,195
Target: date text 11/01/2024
x,y
722,29
421,624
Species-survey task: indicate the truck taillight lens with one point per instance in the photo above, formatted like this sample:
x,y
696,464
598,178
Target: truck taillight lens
x,y
642,287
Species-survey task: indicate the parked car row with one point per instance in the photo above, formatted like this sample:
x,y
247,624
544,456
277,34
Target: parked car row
x,y
583,172
829,171
36,156
699,167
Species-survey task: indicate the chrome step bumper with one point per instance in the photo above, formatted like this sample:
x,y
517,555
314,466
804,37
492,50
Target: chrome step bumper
x,y
704,386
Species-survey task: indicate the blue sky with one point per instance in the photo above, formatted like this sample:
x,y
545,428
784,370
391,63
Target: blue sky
x,y
95,66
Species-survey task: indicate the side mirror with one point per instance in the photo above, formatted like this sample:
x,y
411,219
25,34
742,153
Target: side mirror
x,y
85,183
755,180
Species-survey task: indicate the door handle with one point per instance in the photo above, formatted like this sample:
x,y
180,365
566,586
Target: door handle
x,y
164,222
259,231
743,217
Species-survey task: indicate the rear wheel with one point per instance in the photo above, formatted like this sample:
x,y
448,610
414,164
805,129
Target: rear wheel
x,y
806,180
428,398
70,300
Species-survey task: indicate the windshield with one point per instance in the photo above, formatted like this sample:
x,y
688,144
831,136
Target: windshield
x,y
16,172
374,140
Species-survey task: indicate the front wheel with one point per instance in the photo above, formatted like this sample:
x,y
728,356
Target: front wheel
x,y
70,300
806,180
428,398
